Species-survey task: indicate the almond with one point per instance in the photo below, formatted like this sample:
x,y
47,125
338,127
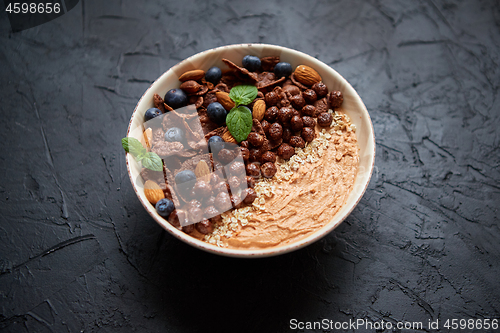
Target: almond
x,y
306,75
190,86
259,108
224,99
147,138
153,192
167,107
195,75
226,136
202,171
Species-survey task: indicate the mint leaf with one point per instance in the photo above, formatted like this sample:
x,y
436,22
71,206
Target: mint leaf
x,y
239,122
141,156
243,94
149,160
152,161
133,146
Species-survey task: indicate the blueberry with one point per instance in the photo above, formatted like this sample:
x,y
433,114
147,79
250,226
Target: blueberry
x,y
215,144
184,176
176,98
282,69
174,134
213,75
252,63
215,139
216,113
151,113
164,207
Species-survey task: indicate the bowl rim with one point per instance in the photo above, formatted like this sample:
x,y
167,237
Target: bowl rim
x,y
252,253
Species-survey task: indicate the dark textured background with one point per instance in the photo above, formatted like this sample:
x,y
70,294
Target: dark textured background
x,y
79,253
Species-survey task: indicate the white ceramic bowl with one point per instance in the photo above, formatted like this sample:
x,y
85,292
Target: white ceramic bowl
x,y
353,106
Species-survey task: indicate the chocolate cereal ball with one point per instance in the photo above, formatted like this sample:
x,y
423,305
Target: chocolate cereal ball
x,y
296,123
255,139
271,114
225,156
250,181
245,153
268,169
248,195
195,214
234,182
320,89
307,134
321,106
276,131
271,98
253,169
174,219
325,119
214,179
236,201
204,226
284,115
297,141
237,168
308,121
202,189
335,99
182,215
310,96
193,203
223,202
222,186
297,101
255,155
211,211
268,156
286,151
309,110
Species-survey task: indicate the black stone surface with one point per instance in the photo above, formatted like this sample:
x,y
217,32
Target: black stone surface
x,y
78,253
